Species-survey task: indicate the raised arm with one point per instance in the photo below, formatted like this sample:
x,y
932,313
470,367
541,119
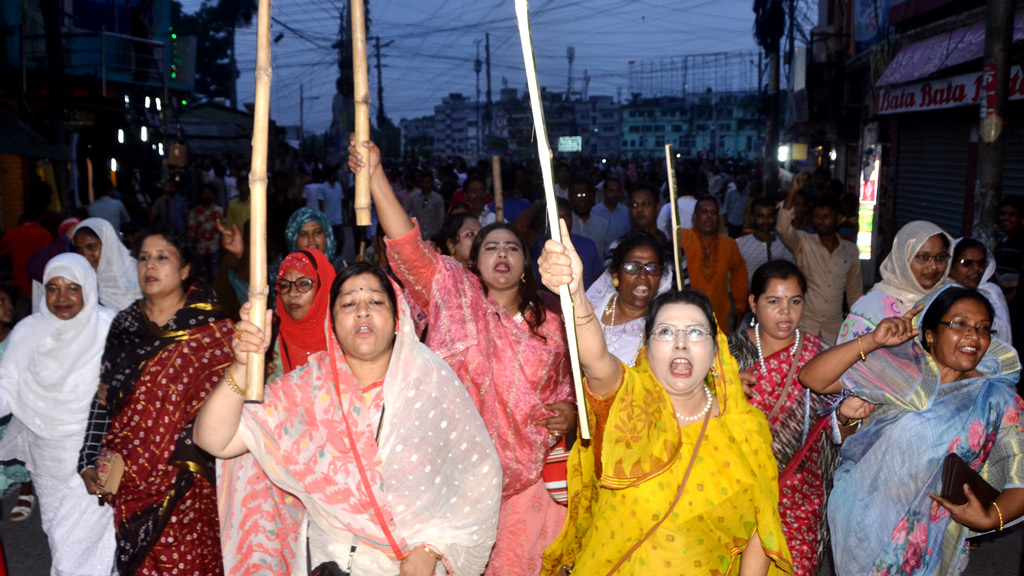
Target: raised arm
x,y
216,429
822,373
394,220
561,265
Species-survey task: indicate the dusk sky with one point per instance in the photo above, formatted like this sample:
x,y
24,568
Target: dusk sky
x,y
434,45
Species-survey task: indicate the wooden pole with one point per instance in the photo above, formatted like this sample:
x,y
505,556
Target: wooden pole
x,y
258,290
499,198
361,95
673,195
544,155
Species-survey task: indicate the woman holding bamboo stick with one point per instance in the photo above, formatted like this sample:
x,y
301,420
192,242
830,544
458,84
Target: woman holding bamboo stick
x,y
506,342
372,446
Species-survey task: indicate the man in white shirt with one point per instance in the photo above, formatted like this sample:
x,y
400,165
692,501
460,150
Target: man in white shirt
x,y
686,205
313,193
333,196
613,210
764,245
584,221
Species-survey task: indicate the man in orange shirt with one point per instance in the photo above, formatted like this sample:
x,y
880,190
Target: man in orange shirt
x,y
715,265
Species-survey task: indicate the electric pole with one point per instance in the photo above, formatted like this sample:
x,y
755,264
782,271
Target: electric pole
x,y
477,66
488,117
302,115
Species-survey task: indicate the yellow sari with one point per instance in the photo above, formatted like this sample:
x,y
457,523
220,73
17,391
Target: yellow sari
x,y
627,476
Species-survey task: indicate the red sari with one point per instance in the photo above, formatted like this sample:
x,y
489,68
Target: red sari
x,y
165,509
806,466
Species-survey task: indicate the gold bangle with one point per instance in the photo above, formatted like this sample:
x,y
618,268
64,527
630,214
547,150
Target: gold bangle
x,y
849,424
863,358
1000,512
437,557
231,383
588,319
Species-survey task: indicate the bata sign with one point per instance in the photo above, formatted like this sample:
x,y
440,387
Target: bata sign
x,y
963,90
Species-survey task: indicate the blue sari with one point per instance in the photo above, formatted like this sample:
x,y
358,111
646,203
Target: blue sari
x,y
881,518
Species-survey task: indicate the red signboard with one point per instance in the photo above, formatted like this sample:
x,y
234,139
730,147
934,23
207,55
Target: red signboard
x,y
963,90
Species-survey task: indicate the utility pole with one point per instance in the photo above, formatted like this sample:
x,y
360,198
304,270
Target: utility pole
x,y
302,116
989,188
570,53
477,66
488,112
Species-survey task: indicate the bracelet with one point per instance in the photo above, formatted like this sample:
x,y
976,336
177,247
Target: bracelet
x,y
1000,512
861,345
231,383
437,557
849,424
588,319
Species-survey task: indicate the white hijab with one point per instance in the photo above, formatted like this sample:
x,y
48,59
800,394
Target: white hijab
x,y
51,370
117,273
897,279
991,291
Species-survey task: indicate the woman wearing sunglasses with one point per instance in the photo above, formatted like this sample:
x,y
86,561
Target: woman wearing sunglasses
x,y
973,266
638,273
303,289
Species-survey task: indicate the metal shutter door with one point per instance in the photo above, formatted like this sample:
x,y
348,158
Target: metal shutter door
x,y
931,174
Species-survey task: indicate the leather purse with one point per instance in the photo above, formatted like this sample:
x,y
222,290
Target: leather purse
x,y
956,473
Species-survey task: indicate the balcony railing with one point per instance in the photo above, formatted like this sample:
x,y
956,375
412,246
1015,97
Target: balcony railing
x,y
105,55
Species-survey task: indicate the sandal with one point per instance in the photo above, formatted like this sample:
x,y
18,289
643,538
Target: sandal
x,y
23,512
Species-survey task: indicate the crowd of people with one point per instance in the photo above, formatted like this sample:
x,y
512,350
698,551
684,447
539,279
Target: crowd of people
x,y
419,413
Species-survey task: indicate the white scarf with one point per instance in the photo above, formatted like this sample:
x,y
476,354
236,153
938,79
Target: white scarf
x,y
51,370
117,273
898,280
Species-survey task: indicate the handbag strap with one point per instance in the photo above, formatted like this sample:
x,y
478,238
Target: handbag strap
x,y
679,494
788,384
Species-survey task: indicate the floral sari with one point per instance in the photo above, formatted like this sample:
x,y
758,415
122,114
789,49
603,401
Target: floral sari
x,y
624,480
881,518
805,454
157,378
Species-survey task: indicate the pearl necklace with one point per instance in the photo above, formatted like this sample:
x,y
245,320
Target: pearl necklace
x,y
610,309
760,352
695,417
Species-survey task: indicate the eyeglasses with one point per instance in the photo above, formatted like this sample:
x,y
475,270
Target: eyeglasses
x,y
303,285
965,328
983,263
633,268
925,259
691,333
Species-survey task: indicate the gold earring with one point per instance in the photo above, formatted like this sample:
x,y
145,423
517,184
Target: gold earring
x,y
522,278
615,282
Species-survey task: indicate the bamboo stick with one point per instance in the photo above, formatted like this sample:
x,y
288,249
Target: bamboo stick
x,y
673,196
499,199
361,95
544,155
258,289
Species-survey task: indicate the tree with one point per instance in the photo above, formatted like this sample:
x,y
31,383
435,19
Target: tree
x,y
214,26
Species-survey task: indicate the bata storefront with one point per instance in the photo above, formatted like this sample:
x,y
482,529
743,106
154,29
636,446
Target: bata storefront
x,y
936,146
934,127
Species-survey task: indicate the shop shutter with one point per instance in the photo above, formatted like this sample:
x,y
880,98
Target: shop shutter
x,y
931,171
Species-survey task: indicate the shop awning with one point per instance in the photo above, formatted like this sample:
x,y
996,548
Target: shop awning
x,y
924,58
22,140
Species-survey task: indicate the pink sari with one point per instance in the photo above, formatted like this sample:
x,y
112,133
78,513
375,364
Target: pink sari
x,y
510,375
